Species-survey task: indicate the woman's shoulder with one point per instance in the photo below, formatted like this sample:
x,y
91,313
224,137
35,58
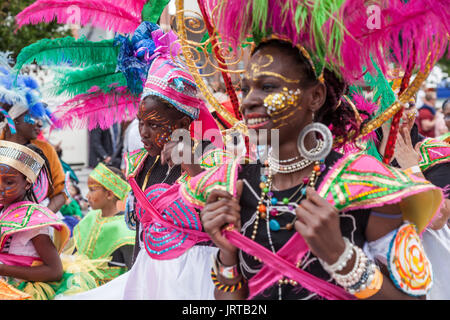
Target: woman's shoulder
x,y
360,181
134,161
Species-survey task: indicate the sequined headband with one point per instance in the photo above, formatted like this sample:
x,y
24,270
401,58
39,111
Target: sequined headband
x,y
21,158
110,181
305,53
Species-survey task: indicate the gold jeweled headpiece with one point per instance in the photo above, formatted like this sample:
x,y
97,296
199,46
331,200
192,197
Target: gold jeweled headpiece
x,y
21,158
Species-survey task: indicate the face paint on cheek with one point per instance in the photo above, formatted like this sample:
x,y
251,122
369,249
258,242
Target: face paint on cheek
x,y
163,137
282,121
7,173
278,102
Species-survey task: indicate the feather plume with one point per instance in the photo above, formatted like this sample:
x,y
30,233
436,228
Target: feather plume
x,y
79,81
383,94
97,109
364,105
68,50
403,28
103,14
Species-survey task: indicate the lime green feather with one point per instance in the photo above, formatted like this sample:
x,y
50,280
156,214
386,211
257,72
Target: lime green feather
x,y
68,50
260,10
301,15
78,81
153,10
322,12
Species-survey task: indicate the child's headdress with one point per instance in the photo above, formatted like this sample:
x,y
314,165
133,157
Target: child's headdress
x,y
110,181
21,158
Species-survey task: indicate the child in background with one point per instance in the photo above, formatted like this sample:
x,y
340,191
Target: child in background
x,y
76,194
102,233
29,257
71,210
72,206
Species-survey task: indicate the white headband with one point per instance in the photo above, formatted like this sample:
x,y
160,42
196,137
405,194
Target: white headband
x,y
16,111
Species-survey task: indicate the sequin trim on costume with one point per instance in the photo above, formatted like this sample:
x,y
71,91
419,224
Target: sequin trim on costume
x,y
433,152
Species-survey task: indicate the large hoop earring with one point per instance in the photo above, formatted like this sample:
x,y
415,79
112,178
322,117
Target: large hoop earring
x,y
323,147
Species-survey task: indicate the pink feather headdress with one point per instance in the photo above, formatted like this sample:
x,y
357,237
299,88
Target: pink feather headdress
x,y
342,35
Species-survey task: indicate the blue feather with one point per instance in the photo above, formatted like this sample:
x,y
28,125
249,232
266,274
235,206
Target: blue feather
x,y
131,60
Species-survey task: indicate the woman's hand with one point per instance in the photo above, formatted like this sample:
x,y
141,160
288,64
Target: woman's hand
x,y
188,164
404,152
318,224
221,209
166,153
443,216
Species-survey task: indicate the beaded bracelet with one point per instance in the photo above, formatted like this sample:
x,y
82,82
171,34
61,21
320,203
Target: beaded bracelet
x,y
366,278
226,288
373,287
357,271
342,260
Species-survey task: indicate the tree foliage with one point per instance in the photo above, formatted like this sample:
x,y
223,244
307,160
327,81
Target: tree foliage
x,y
15,41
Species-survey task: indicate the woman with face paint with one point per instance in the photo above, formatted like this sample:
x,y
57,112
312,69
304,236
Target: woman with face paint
x,y
23,115
293,226
29,254
168,263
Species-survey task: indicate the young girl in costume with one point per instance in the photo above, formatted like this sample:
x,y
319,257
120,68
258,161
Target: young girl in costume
x,y
102,233
29,251
111,87
169,263
298,220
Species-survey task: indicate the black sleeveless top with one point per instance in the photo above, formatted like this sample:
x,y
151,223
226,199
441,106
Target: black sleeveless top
x,y
353,225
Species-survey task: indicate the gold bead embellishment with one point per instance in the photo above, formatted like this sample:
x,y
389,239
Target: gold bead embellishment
x,y
281,100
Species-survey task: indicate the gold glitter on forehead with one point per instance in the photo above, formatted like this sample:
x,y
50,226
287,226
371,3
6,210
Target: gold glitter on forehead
x,y
259,64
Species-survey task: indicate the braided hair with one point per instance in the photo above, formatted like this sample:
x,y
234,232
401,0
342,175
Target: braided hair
x,y
46,167
336,113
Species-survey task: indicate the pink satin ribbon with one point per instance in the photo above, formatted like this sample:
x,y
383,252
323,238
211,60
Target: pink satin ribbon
x,y
155,216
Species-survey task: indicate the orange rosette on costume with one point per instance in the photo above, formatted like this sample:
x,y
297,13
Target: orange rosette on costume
x,y
408,265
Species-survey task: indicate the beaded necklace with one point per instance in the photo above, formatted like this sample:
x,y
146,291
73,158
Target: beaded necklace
x,y
264,206
267,199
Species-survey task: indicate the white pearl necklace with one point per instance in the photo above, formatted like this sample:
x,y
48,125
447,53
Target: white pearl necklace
x,y
277,166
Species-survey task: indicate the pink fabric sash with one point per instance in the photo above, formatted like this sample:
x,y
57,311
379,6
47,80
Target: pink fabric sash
x,y
152,214
282,264
16,260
